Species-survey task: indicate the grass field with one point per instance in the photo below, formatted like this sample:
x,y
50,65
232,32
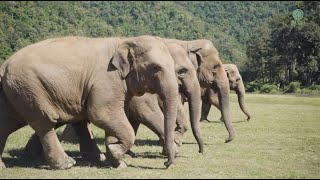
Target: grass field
x,y
281,141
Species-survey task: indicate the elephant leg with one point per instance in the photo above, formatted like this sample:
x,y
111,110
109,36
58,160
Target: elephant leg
x,y
53,151
205,109
182,125
135,125
88,147
80,130
155,122
119,136
214,100
69,134
217,105
34,147
7,126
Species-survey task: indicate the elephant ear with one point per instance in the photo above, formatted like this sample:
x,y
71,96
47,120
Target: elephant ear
x,y
125,57
195,56
227,70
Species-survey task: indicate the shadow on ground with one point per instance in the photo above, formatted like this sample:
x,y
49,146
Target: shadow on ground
x,y
145,167
19,159
220,122
138,142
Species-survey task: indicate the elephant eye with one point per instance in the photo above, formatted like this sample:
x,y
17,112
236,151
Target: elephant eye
x,y
216,66
182,72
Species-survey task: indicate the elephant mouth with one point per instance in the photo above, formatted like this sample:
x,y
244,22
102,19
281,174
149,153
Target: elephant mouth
x,y
139,93
146,88
206,83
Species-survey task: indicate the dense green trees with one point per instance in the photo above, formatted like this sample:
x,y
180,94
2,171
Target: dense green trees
x,y
257,36
228,24
282,53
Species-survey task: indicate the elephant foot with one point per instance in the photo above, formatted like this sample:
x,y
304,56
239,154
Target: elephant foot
x,y
178,142
66,164
102,157
178,136
122,164
93,157
115,164
205,120
2,166
116,151
115,154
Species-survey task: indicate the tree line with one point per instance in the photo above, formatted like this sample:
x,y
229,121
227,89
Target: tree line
x,y
253,35
286,53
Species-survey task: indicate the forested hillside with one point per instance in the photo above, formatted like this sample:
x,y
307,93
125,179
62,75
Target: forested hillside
x,y
241,30
284,52
228,24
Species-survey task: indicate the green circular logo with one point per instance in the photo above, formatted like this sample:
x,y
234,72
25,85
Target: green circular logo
x,y
297,14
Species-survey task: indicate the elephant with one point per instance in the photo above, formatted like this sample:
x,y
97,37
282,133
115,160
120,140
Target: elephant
x,y
148,110
211,75
236,84
73,79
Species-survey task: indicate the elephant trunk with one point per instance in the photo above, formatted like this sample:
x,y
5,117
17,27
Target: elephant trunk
x,y
223,94
194,99
168,93
240,90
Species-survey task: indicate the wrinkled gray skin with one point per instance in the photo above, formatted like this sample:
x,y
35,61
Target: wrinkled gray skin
x,y
73,79
236,84
148,110
212,78
211,75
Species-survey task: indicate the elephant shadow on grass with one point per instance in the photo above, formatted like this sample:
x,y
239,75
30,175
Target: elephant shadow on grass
x,y
145,142
220,122
138,142
18,159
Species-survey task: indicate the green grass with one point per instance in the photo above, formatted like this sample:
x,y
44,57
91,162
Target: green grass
x,y
282,140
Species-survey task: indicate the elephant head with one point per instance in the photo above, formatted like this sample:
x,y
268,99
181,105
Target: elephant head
x,y
237,85
189,86
147,66
211,74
